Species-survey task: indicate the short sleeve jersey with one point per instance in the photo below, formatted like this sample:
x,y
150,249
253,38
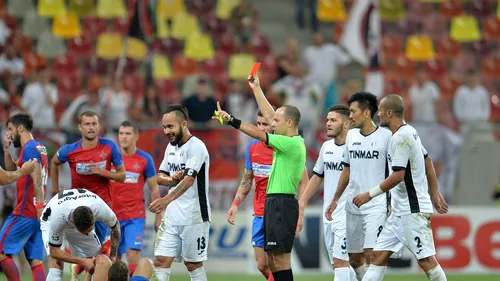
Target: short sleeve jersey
x,y
329,166
366,157
259,160
288,163
61,211
192,158
407,153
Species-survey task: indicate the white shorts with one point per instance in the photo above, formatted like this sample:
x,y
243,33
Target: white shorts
x,y
80,245
362,231
412,231
335,240
184,242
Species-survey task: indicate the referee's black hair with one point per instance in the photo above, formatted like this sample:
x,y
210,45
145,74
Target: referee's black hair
x,y
180,111
340,109
83,218
118,272
365,101
24,119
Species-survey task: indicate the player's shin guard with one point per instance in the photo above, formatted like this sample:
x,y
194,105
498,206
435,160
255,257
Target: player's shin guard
x,y
38,272
342,274
162,274
436,274
10,269
360,272
375,273
198,274
55,274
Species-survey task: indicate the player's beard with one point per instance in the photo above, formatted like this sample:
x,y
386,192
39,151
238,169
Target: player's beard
x,y
16,140
89,138
178,137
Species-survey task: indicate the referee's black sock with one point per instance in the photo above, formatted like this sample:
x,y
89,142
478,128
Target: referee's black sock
x,y
283,275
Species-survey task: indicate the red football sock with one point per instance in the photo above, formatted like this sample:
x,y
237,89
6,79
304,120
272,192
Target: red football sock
x,y
269,276
10,269
78,269
106,248
131,269
38,272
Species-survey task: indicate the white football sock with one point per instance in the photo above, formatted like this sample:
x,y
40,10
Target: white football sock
x,y
198,274
341,274
162,274
352,274
55,274
360,272
374,273
436,274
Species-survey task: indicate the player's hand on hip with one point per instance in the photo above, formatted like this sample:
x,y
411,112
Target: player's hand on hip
x,y
29,166
253,81
361,199
330,209
231,214
158,205
300,225
7,140
439,203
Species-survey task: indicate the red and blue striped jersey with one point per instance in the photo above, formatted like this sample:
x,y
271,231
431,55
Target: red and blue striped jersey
x,y
259,159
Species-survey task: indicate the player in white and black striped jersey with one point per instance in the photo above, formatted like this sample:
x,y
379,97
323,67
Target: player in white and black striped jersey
x,y
413,186
365,165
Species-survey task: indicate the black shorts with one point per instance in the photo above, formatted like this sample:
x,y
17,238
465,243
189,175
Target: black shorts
x,y
281,213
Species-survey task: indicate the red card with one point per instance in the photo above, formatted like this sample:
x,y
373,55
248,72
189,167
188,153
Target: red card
x,y
255,68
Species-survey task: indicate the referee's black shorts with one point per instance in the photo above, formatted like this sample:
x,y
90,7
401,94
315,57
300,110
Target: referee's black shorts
x,y
281,213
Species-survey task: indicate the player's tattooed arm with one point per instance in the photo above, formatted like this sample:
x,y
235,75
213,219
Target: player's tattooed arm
x,y
162,203
54,174
245,186
38,184
115,240
166,180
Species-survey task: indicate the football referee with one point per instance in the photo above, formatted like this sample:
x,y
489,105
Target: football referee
x,y
281,211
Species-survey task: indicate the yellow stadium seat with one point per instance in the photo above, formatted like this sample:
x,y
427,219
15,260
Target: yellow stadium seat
x,y
434,1
136,49
498,13
111,9
162,29
167,9
331,10
161,67
419,48
66,26
183,25
109,46
51,8
392,10
465,29
199,47
240,65
81,8
225,8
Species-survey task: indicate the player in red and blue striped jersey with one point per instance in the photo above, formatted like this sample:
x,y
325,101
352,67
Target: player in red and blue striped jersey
x,y
90,161
21,230
128,197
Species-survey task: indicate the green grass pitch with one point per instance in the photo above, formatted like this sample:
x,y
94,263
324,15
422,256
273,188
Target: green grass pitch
x,y
244,277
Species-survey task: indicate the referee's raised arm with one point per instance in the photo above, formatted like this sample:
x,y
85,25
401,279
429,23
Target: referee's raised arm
x,y
264,105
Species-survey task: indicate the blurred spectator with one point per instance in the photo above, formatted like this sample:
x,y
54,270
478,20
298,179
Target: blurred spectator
x,y
4,32
151,105
472,101
39,99
243,19
301,10
424,95
323,60
11,62
350,87
286,60
300,91
117,104
200,105
86,102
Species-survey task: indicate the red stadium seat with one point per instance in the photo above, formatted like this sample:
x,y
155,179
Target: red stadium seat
x,y
451,8
168,89
22,43
64,65
406,28
448,85
449,48
418,10
392,86
183,67
10,22
225,44
168,46
460,65
392,46
490,67
215,66
32,63
221,86
481,48
120,25
94,26
202,8
495,108
133,83
259,45
269,67
481,8
491,29
435,27
130,66
81,47
404,68
435,69
95,66
69,85
215,26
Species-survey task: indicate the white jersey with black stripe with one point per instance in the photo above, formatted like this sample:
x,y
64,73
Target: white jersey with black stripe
x,y
407,153
192,158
